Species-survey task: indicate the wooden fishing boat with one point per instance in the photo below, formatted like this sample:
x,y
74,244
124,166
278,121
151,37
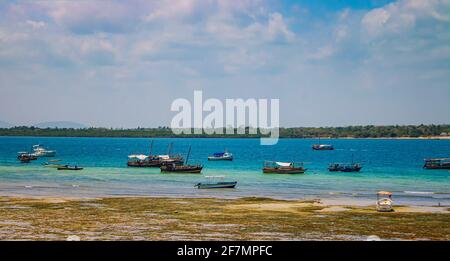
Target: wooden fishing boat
x,y
221,156
283,167
174,168
154,161
24,158
344,167
212,183
67,167
384,201
443,163
23,154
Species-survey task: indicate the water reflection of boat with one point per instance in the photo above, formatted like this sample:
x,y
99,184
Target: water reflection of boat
x,y
221,156
443,163
283,167
40,151
212,183
185,168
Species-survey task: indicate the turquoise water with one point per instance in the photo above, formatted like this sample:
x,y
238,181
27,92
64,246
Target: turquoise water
x,y
394,165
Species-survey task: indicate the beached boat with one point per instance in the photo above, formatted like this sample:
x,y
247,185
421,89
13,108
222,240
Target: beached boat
x,y
443,163
221,156
154,161
185,168
213,183
283,167
40,151
384,201
67,167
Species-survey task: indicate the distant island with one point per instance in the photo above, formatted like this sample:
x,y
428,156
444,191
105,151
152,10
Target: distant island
x,y
369,131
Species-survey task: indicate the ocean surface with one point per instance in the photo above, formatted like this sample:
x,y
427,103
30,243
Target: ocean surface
x,y
393,165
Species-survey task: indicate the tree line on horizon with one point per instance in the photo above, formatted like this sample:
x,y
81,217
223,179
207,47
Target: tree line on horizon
x,y
368,131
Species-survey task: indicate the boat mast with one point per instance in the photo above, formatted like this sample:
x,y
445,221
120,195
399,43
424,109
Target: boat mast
x,y
187,157
169,149
151,148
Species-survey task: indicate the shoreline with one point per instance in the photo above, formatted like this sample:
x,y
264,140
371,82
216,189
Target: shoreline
x,y
146,218
234,137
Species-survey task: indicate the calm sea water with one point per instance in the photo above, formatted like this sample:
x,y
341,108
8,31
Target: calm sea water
x,y
393,165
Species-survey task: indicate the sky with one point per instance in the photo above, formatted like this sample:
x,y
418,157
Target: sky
x,y
113,63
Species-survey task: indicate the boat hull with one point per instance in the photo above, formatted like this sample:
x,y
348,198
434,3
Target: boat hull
x,y
344,170
284,170
45,154
69,168
181,169
217,185
437,167
220,158
153,163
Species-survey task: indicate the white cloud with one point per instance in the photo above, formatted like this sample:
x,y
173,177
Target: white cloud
x,y
403,15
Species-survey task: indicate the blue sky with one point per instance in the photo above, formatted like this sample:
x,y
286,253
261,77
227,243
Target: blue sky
x,y
331,63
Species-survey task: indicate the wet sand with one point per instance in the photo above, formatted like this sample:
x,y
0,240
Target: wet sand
x,y
144,218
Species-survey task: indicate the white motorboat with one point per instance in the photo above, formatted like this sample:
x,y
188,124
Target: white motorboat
x,y
40,151
221,156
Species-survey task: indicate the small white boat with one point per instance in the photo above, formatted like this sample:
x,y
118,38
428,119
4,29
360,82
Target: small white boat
x,y
212,183
221,156
384,201
40,151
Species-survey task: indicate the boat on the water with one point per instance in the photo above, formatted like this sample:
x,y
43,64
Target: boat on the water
x,y
443,163
40,151
67,167
23,155
154,161
185,168
283,167
384,201
24,158
345,167
53,164
221,156
322,147
213,183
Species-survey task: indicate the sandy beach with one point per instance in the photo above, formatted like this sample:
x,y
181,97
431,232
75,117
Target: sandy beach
x,y
145,218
